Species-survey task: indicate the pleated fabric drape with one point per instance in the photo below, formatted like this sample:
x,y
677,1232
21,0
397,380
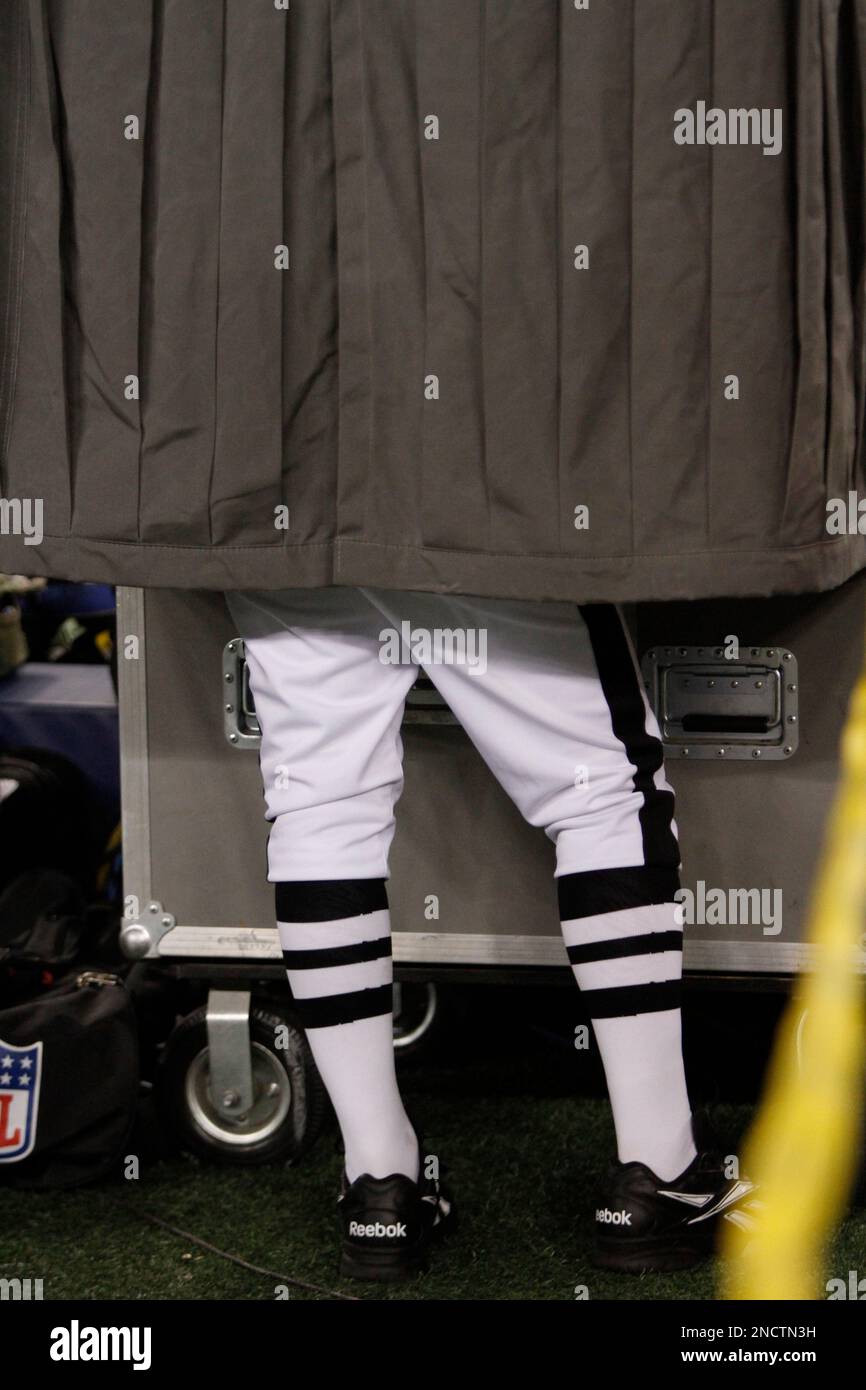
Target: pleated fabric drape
x,y
340,269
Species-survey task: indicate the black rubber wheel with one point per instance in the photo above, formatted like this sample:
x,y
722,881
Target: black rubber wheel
x,y
416,1012
289,1102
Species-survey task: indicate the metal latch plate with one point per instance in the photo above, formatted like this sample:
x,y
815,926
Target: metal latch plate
x,y
712,705
424,704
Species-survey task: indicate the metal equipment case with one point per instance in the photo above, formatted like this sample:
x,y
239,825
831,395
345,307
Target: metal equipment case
x,y
754,770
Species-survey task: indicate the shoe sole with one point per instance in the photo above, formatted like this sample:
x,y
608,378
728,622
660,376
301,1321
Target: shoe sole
x,y
651,1256
382,1266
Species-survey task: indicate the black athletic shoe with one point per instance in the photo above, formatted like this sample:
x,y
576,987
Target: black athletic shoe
x,y
644,1224
389,1225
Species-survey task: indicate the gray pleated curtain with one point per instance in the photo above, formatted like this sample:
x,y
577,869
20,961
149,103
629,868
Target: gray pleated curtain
x,y
413,258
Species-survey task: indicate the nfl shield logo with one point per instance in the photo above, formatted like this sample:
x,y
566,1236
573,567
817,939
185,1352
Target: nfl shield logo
x,y
20,1073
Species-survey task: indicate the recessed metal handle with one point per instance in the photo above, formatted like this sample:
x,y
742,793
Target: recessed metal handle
x,y
711,706
424,704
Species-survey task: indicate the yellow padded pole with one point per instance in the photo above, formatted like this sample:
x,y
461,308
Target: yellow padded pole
x,y
802,1149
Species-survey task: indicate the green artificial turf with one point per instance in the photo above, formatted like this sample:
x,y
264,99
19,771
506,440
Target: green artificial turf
x,y
512,1113
523,1170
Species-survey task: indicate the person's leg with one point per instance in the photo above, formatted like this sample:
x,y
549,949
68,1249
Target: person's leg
x,y
559,714
331,763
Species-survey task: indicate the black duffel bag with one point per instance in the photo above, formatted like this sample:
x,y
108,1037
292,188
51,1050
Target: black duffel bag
x,y
41,933
69,1081
49,817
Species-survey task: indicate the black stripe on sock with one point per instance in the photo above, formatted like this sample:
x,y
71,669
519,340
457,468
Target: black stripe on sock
x,y
324,1012
626,1000
327,900
622,689
618,947
326,956
614,890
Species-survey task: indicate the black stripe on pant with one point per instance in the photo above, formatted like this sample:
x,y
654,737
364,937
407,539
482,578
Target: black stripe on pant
x,y
627,1000
601,891
596,891
621,685
331,900
327,900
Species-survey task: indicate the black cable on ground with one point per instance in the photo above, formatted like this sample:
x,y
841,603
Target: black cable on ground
x,y
234,1259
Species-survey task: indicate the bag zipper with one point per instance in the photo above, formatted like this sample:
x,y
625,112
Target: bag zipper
x,y
95,979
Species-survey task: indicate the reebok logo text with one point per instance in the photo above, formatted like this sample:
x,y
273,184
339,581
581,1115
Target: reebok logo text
x,y
377,1228
613,1218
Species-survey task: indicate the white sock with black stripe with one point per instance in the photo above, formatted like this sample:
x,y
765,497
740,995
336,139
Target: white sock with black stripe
x,y
628,966
336,941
